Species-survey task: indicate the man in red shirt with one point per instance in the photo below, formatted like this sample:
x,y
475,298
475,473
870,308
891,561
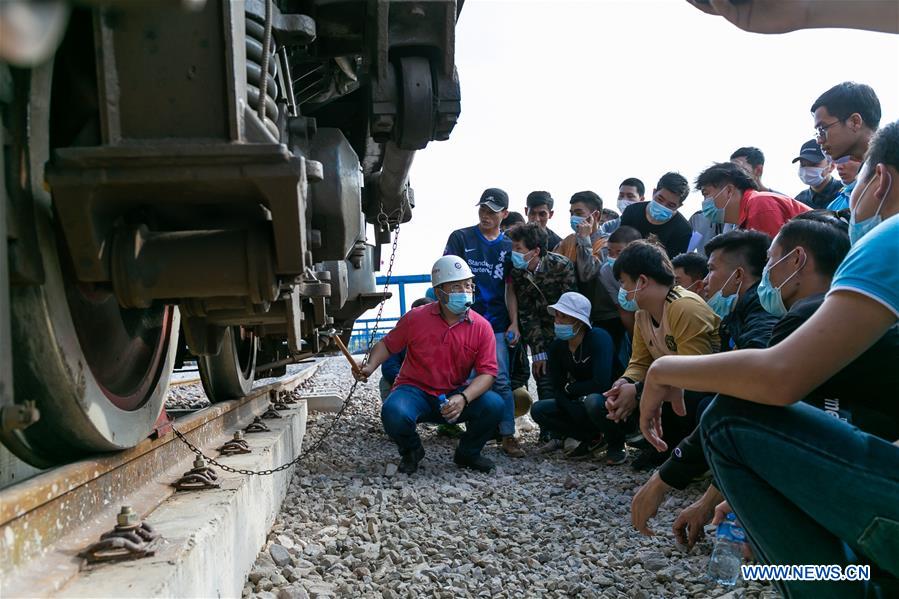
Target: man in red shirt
x,y
731,195
444,343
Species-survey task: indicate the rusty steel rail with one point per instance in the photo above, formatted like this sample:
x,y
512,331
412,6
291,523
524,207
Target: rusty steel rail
x,y
62,509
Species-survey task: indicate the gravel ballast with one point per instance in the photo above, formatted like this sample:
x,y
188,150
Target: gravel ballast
x,y
351,526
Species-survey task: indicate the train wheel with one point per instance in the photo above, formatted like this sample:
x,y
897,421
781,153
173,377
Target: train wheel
x,y
97,372
230,374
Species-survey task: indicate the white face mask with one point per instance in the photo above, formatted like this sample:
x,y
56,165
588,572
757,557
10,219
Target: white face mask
x,y
812,175
622,204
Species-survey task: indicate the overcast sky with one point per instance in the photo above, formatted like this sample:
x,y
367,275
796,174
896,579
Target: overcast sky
x,y
567,96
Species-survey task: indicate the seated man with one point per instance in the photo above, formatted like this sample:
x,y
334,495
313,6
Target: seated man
x,y
624,323
739,257
782,464
580,368
736,260
661,215
539,278
669,320
444,342
689,272
391,366
585,250
731,195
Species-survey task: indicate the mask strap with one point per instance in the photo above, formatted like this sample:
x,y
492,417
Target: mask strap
x,y
885,195
795,272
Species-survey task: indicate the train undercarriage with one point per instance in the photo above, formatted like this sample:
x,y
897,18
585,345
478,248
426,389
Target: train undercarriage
x,y
210,177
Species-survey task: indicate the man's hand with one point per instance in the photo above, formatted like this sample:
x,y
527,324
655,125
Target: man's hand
x,y
761,16
453,407
538,368
513,335
585,227
646,502
689,524
621,401
651,401
721,512
362,372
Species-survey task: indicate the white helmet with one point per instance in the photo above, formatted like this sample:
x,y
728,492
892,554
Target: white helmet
x,y
450,268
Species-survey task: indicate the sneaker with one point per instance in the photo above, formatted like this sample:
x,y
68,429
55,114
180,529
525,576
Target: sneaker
x,y
409,463
454,431
585,449
649,459
512,448
478,462
550,446
617,456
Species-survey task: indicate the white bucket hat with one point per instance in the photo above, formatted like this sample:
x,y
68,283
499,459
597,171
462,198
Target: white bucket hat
x,y
573,304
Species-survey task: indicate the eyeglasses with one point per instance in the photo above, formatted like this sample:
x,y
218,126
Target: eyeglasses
x,y
462,288
821,130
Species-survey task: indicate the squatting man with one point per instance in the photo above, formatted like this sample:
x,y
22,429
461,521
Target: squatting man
x,y
451,353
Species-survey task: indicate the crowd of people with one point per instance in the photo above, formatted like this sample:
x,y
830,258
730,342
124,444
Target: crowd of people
x,y
756,339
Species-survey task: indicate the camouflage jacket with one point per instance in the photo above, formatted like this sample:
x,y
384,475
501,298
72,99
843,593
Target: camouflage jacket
x,y
535,291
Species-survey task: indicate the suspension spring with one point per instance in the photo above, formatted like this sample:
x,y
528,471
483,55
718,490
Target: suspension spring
x,y
255,59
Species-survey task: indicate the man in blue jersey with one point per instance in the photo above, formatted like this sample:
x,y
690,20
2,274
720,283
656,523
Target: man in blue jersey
x,y
488,253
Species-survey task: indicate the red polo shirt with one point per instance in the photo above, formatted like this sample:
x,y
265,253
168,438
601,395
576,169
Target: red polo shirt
x,y
766,211
440,357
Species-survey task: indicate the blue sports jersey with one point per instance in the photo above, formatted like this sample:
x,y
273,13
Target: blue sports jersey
x,y
870,266
488,261
841,202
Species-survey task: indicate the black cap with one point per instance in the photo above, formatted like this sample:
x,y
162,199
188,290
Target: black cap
x,y
539,198
494,198
810,151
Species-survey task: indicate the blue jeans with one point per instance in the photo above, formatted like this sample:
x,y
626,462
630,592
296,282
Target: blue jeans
x,y
581,419
503,387
406,406
809,489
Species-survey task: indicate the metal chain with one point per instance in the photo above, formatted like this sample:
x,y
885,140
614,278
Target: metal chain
x,y
371,342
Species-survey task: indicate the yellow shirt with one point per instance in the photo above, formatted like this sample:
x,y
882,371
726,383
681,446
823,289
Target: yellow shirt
x,y
688,328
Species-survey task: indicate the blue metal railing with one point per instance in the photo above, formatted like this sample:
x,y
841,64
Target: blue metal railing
x,y
364,326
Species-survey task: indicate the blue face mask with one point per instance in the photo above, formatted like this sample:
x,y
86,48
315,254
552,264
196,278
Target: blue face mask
x,y
459,302
629,305
770,296
610,261
711,211
722,305
575,221
565,331
659,212
519,261
857,230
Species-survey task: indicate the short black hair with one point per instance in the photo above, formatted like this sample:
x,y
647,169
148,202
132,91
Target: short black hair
x,y
625,234
695,265
531,235
539,198
838,219
750,247
752,155
845,99
587,197
723,173
609,214
514,218
884,148
828,244
634,182
643,257
676,184
422,301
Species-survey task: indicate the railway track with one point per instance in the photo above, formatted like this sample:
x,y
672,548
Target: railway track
x,y
46,521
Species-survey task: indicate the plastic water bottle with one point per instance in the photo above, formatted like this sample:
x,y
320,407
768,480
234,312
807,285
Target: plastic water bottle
x,y
510,338
442,400
724,565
